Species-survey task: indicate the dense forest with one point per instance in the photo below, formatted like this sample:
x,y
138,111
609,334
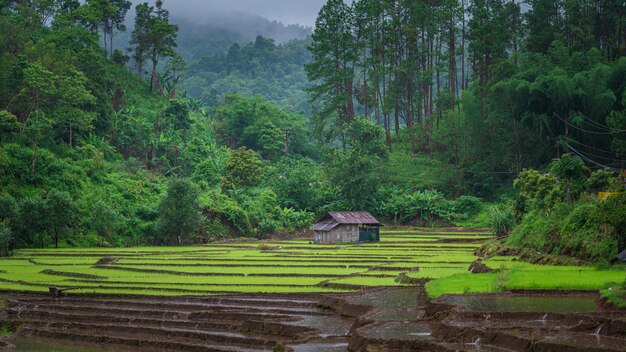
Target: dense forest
x,y
480,112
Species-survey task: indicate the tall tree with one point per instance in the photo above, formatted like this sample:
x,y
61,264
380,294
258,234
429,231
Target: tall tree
x,y
62,215
153,38
39,87
112,15
140,37
161,38
334,60
74,99
179,212
490,36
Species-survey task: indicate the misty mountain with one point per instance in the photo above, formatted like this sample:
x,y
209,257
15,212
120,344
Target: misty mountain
x,y
222,29
218,30
261,67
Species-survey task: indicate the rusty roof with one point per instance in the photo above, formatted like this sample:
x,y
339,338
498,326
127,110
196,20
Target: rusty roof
x,y
332,219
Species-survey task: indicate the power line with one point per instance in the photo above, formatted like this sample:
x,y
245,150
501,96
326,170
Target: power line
x,y
590,160
584,130
600,156
588,146
594,123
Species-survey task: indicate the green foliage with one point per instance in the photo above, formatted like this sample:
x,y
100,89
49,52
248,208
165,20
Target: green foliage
x,y
356,172
536,191
8,123
589,230
62,215
261,125
478,179
31,223
259,68
103,221
298,183
602,181
501,219
468,205
8,207
154,38
243,169
571,169
179,213
6,238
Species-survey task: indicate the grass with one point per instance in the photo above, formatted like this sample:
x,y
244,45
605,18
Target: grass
x,y
294,266
524,276
615,293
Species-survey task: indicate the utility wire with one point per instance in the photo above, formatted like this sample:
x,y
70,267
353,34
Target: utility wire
x,y
600,156
584,130
590,160
588,146
594,123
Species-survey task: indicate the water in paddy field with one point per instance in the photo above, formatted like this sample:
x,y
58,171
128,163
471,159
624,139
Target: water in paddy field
x,y
321,345
400,330
393,298
491,303
48,346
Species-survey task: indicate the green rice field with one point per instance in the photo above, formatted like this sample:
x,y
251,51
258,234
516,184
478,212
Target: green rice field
x,y
290,266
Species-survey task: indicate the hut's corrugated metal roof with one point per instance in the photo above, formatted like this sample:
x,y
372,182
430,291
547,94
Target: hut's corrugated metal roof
x,y
333,219
354,217
325,225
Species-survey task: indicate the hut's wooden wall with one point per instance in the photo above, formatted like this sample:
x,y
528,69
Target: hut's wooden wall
x,y
340,234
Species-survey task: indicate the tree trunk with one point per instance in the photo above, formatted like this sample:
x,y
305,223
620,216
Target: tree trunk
x,y
568,192
104,40
463,83
35,155
140,70
153,76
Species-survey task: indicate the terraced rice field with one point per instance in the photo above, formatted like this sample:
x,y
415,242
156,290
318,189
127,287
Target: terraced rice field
x,y
249,267
301,297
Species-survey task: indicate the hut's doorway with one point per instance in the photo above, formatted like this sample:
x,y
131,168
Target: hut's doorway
x,y
369,234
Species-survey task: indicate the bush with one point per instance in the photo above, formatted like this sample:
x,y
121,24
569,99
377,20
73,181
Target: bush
x,y
179,212
478,179
243,169
589,230
501,219
601,181
6,238
467,205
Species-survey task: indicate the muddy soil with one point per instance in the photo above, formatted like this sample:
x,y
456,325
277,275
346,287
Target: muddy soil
x,y
382,319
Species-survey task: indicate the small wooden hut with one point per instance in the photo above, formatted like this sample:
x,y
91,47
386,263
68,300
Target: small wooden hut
x,y
347,227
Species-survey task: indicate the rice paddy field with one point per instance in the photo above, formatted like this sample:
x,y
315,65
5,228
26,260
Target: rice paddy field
x,y
441,256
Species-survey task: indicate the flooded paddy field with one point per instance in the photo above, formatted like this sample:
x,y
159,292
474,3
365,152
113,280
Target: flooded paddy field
x,y
411,291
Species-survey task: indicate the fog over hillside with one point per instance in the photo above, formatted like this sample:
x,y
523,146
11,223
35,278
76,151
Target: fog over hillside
x,y
212,31
302,12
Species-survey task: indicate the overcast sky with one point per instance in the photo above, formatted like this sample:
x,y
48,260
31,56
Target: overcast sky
x,y
302,12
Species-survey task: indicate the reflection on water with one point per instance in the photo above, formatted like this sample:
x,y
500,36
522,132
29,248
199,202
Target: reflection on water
x,y
555,304
321,346
391,298
326,324
48,346
399,330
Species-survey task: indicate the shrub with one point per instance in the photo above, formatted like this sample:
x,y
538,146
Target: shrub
x,y
6,238
243,169
478,179
179,212
601,181
467,205
501,219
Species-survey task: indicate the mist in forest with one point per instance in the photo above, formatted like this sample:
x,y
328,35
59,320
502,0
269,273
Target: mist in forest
x,y
302,12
